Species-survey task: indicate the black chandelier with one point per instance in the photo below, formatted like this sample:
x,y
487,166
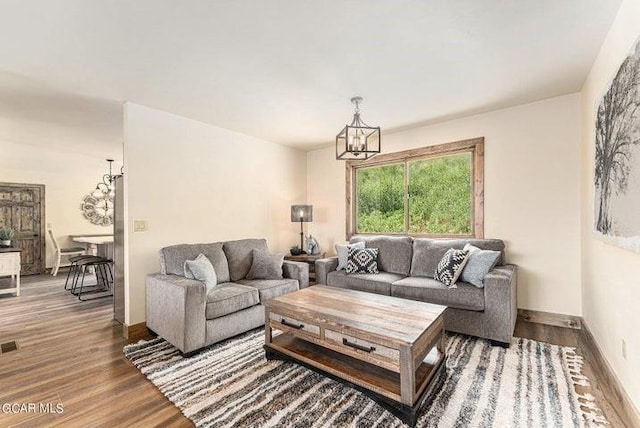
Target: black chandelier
x,y
357,140
98,206
105,189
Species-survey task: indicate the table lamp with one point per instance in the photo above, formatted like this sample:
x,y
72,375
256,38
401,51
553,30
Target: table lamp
x,y
303,214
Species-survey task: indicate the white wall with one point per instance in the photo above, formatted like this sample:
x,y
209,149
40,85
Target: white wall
x,y
194,182
531,192
610,275
67,177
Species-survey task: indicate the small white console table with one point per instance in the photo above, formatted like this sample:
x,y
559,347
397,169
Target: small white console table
x,y
10,266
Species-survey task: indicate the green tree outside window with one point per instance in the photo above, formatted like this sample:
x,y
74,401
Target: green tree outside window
x,y
439,197
440,200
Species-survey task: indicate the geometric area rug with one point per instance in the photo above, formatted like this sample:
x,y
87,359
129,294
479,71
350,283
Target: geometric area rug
x,y
231,384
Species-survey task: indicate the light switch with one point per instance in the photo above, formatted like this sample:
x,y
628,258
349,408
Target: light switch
x,y
139,225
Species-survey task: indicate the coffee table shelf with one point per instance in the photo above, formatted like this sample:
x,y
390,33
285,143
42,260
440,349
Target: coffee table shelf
x,y
391,349
373,378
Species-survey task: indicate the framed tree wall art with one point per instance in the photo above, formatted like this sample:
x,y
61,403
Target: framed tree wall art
x,y
617,157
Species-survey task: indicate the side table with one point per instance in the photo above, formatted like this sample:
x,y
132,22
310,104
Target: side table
x,y
310,259
10,266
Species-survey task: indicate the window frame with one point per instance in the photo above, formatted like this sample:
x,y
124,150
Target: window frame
x,y
475,146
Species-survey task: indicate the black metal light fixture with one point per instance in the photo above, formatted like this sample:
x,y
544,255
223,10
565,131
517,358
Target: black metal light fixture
x,y
105,191
106,188
357,140
97,206
302,214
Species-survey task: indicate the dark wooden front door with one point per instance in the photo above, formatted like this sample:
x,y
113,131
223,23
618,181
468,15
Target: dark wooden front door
x,y
22,209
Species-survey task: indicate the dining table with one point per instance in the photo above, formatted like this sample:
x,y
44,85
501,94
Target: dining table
x,y
97,245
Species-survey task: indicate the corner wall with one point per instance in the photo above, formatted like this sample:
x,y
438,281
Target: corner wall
x,y
532,198
193,182
610,275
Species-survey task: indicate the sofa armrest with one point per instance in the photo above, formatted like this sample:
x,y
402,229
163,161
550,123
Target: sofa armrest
x,y
501,304
296,270
176,309
323,267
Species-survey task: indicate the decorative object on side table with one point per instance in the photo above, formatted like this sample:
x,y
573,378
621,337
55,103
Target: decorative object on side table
x,y
5,237
295,250
303,214
312,245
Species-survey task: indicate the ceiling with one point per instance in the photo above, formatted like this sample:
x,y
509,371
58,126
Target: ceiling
x,y
283,70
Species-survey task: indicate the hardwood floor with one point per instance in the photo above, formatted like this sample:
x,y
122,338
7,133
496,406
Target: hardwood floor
x,y
600,386
70,353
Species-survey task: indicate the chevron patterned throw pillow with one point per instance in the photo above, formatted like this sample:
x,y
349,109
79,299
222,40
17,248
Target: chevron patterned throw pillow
x,y
450,267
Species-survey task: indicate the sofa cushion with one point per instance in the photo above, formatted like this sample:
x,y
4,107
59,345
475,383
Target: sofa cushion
x,y
265,265
201,269
228,298
428,252
394,252
465,296
270,288
172,258
362,260
343,253
379,283
240,255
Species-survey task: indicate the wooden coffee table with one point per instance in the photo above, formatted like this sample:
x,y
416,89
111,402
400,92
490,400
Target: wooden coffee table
x,y
392,349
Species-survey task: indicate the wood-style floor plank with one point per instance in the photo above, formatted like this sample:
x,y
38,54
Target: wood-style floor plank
x,y
600,385
70,352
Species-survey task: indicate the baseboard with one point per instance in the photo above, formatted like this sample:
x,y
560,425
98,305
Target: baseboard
x,y
550,318
627,411
135,332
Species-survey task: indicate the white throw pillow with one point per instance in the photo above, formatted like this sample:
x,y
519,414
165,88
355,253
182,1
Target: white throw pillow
x,y
343,253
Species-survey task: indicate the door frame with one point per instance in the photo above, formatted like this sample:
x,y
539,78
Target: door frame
x,y
43,217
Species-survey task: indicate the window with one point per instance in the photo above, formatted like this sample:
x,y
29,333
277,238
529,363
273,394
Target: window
x,y
380,199
440,195
432,191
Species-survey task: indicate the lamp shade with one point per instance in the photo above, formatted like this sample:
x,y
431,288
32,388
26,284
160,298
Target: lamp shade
x,y
303,213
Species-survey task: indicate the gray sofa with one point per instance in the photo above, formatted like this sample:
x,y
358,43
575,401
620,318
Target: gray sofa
x,y
181,311
407,268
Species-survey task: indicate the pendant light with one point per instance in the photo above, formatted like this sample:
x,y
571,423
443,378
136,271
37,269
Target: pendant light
x,y
357,141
